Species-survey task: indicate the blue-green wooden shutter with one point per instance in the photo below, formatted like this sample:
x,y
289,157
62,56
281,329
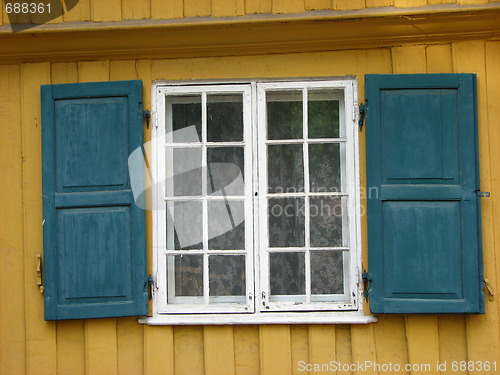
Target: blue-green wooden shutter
x,y
424,233
94,234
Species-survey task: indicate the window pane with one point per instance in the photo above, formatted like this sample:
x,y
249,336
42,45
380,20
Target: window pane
x,y
284,114
286,222
184,225
326,221
287,273
184,171
225,170
285,168
323,114
327,272
188,271
226,225
227,275
186,119
324,167
225,118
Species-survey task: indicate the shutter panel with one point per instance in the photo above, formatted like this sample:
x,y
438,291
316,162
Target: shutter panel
x,y
94,234
424,234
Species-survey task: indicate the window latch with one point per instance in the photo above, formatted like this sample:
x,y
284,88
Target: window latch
x,y
482,194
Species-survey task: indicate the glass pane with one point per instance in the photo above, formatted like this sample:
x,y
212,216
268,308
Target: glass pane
x,y
326,221
225,170
227,275
184,171
225,118
323,114
327,272
287,273
184,225
188,271
324,167
284,114
185,125
286,222
226,225
285,165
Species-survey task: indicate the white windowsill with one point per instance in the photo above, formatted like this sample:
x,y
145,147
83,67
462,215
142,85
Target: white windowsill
x,y
354,317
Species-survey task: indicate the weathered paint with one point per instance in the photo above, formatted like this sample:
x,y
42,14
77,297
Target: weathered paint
x,y
29,345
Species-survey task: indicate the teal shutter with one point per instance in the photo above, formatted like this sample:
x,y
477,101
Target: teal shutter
x,y
424,233
94,234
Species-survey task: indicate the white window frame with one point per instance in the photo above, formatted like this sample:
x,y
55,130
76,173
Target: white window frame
x,y
258,309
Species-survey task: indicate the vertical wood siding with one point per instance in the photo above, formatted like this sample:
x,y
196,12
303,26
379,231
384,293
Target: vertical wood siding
x,y
29,345
117,10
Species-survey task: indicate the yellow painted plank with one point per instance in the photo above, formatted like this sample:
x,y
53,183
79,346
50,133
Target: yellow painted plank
x,y
343,346
439,59
136,10
452,341
287,6
349,4
70,347
158,350
390,336
101,347
188,350
363,346
40,335
122,70
275,350
483,331
409,59
246,350
258,6
197,8
167,9
218,350
109,10
469,2
430,2
299,346
409,3
80,12
318,4
379,3
93,71
12,310
130,343
422,334
322,347
64,73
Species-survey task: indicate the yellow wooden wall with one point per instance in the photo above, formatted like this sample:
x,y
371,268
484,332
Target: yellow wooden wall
x,y
117,10
29,345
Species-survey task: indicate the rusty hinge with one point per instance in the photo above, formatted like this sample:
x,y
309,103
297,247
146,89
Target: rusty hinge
x,y
363,108
482,194
491,292
147,117
366,284
39,272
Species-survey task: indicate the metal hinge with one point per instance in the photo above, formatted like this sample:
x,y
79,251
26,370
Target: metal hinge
x,y
363,109
151,283
147,116
482,194
39,272
366,284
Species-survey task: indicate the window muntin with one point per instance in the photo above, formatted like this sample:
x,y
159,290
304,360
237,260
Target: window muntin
x,y
305,268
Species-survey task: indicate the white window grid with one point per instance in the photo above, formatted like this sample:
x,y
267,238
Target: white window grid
x,y
257,298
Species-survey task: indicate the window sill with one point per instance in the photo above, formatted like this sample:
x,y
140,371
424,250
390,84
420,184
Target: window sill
x,y
355,317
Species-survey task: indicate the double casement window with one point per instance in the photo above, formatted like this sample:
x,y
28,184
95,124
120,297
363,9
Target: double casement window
x,y
255,198
257,203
